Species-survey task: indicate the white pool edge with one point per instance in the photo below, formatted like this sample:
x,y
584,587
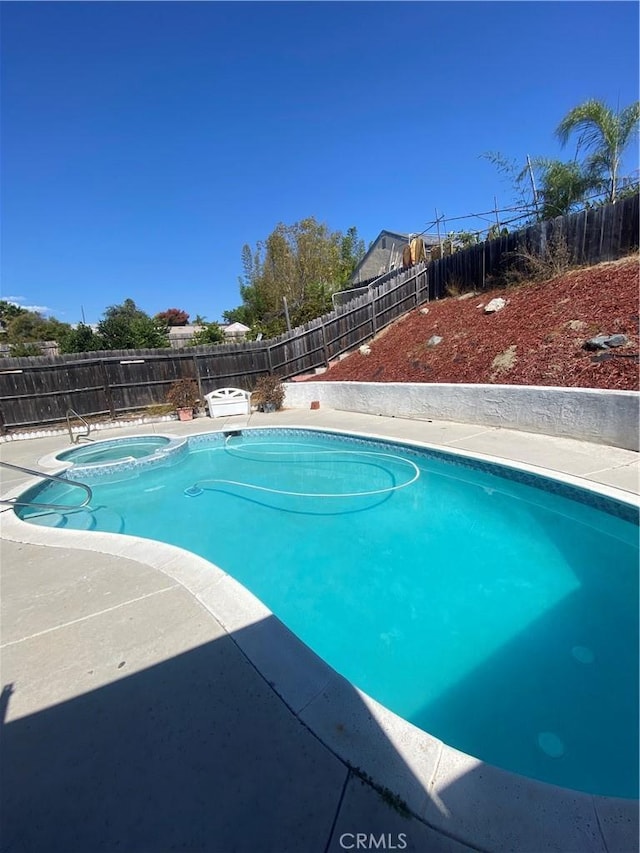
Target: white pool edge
x,y
478,803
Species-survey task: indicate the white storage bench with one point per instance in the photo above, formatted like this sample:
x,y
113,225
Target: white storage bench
x,y
228,401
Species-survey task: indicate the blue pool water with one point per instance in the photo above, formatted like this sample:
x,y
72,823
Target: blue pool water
x,y
116,449
496,610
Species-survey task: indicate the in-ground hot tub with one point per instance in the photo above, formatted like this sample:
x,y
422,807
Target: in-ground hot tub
x,y
115,450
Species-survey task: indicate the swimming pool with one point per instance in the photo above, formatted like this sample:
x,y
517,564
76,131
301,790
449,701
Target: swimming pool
x,y
114,450
493,609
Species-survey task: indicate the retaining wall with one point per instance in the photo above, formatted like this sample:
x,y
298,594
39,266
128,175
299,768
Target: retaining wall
x,y
588,414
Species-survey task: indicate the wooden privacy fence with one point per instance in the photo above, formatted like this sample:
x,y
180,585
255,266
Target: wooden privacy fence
x,y
42,389
599,234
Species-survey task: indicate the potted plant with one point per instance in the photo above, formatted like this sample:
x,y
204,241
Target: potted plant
x,y
268,394
183,396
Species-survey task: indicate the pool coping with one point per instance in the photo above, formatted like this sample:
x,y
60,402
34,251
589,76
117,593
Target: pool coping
x,y
447,789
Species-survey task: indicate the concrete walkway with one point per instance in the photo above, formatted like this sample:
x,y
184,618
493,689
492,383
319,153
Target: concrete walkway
x,y
134,721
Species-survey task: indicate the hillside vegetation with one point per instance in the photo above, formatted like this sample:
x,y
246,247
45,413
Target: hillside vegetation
x,y
536,339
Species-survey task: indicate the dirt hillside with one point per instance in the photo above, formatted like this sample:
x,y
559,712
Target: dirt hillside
x,y
536,339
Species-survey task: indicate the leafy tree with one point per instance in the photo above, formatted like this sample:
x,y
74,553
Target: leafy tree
x,y
465,238
253,305
316,303
81,339
241,314
55,330
24,349
629,187
351,253
9,311
27,326
211,334
173,317
605,134
30,326
495,231
303,263
23,329
128,327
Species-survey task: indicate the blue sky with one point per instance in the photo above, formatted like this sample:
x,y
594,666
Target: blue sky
x,y
143,143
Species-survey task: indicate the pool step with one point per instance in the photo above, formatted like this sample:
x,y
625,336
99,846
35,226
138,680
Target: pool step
x,y
49,519
107,520
102,518
81,520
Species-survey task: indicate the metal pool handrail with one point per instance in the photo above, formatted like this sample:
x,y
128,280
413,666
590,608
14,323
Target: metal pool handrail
x,y
77,438
16,502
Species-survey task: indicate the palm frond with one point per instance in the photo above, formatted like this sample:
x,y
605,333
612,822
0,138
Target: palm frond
x,y
593,120
629,119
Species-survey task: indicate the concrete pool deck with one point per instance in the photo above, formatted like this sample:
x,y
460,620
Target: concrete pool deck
x,y
150,704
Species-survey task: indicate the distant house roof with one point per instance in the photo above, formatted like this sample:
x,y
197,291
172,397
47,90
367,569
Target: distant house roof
x,y
46,348
385,253
235,329
187,331
180,336
92,326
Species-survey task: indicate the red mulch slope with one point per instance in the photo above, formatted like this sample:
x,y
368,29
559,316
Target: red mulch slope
x,y
536,321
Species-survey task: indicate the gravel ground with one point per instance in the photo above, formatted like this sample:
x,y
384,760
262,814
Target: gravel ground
x,y
537,339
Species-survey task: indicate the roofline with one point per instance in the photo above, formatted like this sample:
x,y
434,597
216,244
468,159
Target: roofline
x,y
392,234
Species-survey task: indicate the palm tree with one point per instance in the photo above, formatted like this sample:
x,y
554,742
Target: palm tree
x,y
605,133
563,186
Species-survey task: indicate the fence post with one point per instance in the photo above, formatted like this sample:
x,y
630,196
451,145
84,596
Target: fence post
x,y
269,362
107,389
325,348
372,303
197,377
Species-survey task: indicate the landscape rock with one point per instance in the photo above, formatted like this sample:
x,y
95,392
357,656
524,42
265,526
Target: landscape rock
x,y
605,341
576,325
365,349
617,341
424,310
496,304
434,340
504,361
596,343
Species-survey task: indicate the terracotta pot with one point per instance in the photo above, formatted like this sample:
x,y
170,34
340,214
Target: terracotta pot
x,y
185,414
315,404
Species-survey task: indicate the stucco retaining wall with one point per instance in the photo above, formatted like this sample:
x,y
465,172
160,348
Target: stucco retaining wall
x,y
588,414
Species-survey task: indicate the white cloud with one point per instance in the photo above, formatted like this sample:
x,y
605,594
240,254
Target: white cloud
x,y
19,301
41,309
